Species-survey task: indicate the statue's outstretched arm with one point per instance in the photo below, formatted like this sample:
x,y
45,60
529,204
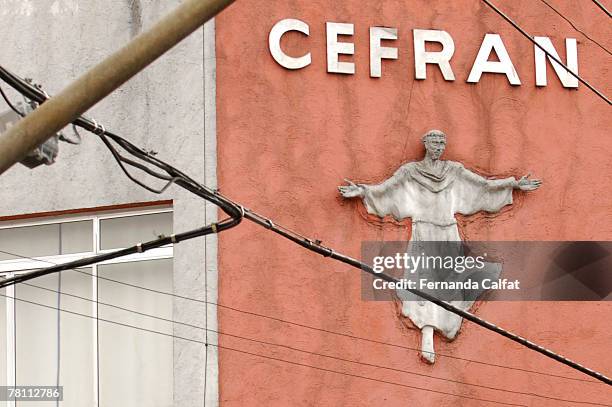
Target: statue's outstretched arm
x,y
526,184
353,190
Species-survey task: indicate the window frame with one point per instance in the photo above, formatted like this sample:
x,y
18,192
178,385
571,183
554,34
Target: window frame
x,y
14,267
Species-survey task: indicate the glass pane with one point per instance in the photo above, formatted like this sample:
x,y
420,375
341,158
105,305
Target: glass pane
x,y
128,231
78,345
136,366
39,347
36,336
3,342
30,241
76,237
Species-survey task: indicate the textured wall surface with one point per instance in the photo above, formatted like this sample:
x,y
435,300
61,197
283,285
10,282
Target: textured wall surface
x,y
288,138
161,109
54,42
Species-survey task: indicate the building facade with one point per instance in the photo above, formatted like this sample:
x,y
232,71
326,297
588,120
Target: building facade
x,y
275,104
168,109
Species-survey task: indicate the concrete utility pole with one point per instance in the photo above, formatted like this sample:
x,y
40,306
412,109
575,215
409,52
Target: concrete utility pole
x,y
103,78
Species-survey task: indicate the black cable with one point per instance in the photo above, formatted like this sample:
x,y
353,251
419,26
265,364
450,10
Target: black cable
x,y
554,58
328,252
139,248
366,377
254,354
68,140
60,135
601,6
120,162
231,207
301,325
574,27
206,330
37,95
10,104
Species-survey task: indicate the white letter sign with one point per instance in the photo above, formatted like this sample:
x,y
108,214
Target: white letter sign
x,y
377,53
567,80
276,34
440,58
334,48
482,63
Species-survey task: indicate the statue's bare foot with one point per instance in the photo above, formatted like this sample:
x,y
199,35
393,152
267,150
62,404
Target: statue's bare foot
x,y
406,308
427,345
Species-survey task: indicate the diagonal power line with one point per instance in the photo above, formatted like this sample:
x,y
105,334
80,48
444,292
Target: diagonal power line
x,y
554,58
601,6
574,26
238,211
289,322
138,248
284,321
113,322
267,343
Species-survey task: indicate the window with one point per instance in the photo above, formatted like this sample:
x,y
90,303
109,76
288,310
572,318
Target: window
x,y
98,363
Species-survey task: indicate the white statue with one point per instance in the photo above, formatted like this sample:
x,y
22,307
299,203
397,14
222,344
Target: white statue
x,y
431,192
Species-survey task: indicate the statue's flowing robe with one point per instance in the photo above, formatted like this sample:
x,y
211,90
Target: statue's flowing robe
x,y
431,200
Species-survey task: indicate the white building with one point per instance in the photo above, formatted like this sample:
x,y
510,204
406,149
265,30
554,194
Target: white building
x,y
83,204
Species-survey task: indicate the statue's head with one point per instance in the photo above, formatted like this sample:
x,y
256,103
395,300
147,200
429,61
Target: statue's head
x,y
435,143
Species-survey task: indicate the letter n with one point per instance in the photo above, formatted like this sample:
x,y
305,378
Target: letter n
x,y
567,79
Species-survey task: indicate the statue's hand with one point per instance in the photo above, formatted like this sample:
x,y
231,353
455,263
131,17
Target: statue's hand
x,y
352,190
526,184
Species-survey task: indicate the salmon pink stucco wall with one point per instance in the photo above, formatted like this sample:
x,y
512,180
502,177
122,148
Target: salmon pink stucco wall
x,y
286,140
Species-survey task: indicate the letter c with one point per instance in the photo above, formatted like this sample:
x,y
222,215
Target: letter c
x,y
279,29
377,286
